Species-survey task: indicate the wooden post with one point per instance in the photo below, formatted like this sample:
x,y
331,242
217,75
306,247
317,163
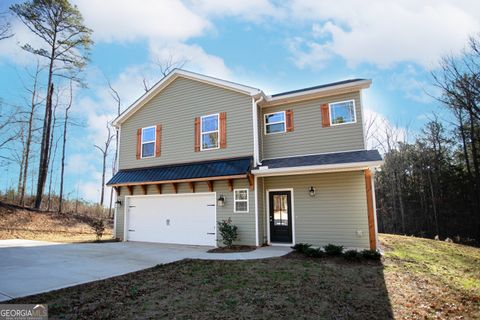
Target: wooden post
x,y
130,190
175,187
159,188
144,188
210,185
192,186
251,181
371,219
230,184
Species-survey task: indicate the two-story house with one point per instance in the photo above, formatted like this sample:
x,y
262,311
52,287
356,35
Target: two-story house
x,y
286,168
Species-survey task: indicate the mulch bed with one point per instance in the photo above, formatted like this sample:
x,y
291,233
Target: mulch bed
x,y
232,249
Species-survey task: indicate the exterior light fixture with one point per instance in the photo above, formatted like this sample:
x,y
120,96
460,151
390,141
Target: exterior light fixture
x,y
311,191
118,203
221,201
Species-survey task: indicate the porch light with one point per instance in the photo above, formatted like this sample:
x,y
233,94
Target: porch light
x,y
221,201
118,203
311,191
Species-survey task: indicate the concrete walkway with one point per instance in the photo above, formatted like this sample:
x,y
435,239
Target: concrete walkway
x,y
29,267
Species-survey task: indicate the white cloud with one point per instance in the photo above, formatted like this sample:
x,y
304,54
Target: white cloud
x,y
413,87
250,10
308,53
124,20
385,32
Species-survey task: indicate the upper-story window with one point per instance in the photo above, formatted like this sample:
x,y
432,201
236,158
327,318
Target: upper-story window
x,y
275,122
148,142
342,112
210,132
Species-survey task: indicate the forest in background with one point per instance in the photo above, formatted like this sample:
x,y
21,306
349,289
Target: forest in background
x,y
431,186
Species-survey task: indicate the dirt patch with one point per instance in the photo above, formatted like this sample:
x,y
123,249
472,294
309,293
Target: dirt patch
x,y
18,223
231,249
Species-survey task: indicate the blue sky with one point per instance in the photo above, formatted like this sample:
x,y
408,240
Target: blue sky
x,y
273,45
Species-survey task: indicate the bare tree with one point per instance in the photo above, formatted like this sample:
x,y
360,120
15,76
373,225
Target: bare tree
x,y
104,150
165,65
5,27
65,124
118,102
60,26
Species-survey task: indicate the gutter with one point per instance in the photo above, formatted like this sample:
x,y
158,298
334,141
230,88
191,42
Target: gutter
x,y
256,152
351,166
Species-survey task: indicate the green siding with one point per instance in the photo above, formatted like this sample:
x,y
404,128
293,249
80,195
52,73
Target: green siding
x,y
308,136
334,215
244,221
175,108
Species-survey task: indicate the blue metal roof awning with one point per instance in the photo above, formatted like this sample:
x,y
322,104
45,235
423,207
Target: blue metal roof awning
x,y
215,169
324,159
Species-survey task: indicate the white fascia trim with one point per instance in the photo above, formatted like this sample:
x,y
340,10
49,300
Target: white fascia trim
x,y
185,74
352,86
255,179
352,166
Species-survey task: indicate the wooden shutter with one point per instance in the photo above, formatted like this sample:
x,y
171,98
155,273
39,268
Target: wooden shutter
x,y
325,116
223,130
139,142
197,134
289,120
158,141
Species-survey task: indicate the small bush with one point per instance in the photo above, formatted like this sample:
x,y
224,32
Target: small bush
x,y
352,255
98,226
371,254
314,252
301,247
333,250
228,231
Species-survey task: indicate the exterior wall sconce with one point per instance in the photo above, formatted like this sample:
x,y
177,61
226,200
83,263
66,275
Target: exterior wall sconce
x,y
221,201
118,203
312,191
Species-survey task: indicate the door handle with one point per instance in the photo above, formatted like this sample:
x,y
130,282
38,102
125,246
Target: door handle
x,y
210,205
211,233
131,230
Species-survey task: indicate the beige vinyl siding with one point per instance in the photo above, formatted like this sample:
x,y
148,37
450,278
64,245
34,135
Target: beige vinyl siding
x,y
334,215
308,136
244,221
261,218
175,108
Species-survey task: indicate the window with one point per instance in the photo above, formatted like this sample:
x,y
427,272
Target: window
x,y
275,122
148,142
240,200
342,112
209,132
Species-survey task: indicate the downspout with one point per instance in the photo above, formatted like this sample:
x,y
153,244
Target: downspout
x,y
256,152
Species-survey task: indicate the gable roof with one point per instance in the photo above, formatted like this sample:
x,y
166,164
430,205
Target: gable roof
x,y
169,78
275,99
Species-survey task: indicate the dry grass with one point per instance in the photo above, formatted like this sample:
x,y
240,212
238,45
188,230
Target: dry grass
x,y
46,226
417,279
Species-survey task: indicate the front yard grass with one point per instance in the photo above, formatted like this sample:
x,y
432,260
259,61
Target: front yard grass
x,y
417,279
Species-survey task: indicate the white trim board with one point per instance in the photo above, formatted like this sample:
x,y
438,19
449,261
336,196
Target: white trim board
x,y
353,166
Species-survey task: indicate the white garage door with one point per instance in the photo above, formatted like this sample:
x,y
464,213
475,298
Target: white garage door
x,y
181,219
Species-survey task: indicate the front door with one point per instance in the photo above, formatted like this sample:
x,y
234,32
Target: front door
x,y
280,211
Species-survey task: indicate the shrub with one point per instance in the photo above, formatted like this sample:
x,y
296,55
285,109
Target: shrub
x,y
228,231
301,247
314,252
333,250
98,226
352,255
371,254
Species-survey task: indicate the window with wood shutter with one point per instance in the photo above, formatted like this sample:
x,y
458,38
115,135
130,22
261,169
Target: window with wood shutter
x,y
342,112
209,132
275,122
223,130
289,120
158,141
197,134
148,142
325,116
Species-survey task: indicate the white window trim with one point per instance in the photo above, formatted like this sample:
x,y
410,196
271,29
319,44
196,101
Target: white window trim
x,y
154,142
202,133
235,201
339,124
284,122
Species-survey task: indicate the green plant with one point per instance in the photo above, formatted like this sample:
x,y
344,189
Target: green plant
x,y
352,255
371,254
333,250
98,226
301,247
228,231
314,252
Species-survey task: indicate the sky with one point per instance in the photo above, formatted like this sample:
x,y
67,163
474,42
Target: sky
x,y
272,45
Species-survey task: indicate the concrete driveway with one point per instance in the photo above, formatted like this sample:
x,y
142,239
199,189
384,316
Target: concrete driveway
x,y
29,267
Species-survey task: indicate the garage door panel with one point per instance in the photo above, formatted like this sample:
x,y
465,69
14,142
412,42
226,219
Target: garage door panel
x,y
182,219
